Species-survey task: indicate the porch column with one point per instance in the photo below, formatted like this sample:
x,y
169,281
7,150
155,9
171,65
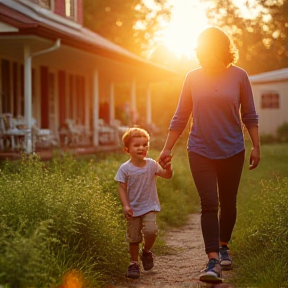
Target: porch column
x,y
111,104
87,107
133,108
28,89
28,97
148,106
95,108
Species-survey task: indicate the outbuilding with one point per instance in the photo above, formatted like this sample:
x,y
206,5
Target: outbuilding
x,y
271,99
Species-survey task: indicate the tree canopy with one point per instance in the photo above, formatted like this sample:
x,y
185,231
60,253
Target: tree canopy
x,y
131,24
262,40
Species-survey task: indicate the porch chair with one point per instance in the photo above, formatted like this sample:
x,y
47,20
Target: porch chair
x,y
40,137
107,133
14,135
71,133
119,130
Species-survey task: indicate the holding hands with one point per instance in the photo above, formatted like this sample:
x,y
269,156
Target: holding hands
x,y
165,159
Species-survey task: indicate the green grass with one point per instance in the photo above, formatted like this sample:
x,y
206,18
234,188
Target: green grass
x,y
56,218
64,217
260,239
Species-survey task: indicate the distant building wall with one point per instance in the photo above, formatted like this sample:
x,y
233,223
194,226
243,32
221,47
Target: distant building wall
x,y
271,101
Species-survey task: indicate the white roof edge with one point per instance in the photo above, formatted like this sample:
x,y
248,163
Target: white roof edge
x,y
78,31
39,13
271,76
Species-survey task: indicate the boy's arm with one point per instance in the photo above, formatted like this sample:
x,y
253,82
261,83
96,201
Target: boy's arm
x,y
166,173
127,210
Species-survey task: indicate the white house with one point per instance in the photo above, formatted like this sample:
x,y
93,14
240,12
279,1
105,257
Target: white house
x,y
271,99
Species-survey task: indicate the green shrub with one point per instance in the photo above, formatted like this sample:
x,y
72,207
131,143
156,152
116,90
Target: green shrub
x,y
282,132
64,217
56,218
260,239
267,139
262,247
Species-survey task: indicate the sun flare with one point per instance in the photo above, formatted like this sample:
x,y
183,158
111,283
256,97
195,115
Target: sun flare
x,y
188,19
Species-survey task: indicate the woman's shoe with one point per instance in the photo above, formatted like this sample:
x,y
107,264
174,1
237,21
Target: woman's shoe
x,y
225,259
212,273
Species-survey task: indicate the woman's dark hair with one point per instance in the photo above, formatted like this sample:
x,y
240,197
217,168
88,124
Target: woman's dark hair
x,y
214,41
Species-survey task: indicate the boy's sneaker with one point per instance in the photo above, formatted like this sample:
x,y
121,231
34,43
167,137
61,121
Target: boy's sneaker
x,y
224,258
147,260
212,273
133,271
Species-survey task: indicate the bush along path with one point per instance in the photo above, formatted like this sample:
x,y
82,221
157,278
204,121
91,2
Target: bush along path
x,y
181,264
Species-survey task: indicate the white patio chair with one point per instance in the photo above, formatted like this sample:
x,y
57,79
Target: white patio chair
x,y
12,133
40,137
107,133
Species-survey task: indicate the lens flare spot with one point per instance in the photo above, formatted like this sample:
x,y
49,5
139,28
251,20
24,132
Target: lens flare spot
x,y
73,279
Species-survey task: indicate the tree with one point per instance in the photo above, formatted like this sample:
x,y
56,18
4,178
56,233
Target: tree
x,y
131,24
262,40
276,29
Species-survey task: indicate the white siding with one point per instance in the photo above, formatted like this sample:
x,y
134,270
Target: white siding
x,y
271,118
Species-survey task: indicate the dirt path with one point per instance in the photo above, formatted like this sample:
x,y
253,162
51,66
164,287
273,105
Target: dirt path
x,y
181,266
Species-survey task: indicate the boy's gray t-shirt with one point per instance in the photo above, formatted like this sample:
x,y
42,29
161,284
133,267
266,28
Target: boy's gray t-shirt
x,y
141,186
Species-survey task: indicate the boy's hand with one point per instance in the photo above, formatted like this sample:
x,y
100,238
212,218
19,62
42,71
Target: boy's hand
x,y
168,167
128,212
165,159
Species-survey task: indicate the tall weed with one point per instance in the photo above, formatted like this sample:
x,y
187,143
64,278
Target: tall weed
x,y
260,241
55,218
64,217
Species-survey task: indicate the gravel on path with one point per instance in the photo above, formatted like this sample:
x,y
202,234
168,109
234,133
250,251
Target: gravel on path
x,y
182,265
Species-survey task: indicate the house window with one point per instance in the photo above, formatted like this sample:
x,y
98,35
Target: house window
x,y
45,4
70,8
270,101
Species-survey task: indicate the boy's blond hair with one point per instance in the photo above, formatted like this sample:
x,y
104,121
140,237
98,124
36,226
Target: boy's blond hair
x,y
133,133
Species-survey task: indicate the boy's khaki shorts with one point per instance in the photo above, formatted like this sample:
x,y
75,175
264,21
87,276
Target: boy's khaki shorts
x,y
141,225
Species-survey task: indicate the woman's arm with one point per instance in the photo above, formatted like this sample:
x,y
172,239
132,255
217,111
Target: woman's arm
x,y
255,152
178,122
166,154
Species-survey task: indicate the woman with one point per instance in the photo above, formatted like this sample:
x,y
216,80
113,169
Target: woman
x,y
219,97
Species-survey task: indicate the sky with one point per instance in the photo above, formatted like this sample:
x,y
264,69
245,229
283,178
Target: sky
x,y
187,21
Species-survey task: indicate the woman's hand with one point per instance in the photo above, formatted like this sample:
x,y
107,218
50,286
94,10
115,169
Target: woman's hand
x,y
254,158
165,159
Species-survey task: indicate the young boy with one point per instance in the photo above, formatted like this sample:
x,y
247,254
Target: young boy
x,y
139,198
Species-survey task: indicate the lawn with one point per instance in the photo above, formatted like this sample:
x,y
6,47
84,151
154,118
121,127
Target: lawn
x,y
64,218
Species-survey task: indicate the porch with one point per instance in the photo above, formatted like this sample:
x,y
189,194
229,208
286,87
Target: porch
x,y
48,76
71,137
47,154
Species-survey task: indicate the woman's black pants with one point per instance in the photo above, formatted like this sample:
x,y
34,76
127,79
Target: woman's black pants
x,y
217,182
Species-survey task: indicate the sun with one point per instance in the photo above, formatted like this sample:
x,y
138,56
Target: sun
x,y
188,19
